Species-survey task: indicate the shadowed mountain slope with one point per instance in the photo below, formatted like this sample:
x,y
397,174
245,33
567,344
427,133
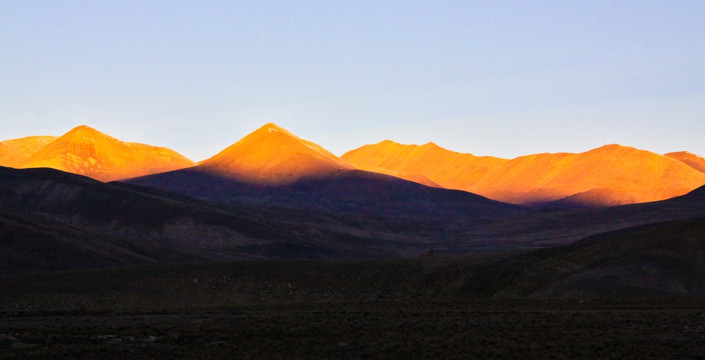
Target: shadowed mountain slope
x,y
33,243
86,151
541,229
695,161
166,227
352,192
89,224
663,259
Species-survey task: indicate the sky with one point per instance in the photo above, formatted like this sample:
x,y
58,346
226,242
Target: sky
x,y
501,78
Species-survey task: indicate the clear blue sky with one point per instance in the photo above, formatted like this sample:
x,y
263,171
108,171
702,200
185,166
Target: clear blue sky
x,y
503,78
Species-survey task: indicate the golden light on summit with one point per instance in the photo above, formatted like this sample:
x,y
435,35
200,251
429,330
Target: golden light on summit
x,y
271,155
89,152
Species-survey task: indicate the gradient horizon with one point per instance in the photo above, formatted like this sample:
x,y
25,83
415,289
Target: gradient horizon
x,y
488,78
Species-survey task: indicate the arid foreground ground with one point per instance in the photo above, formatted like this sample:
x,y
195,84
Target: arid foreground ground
x,y
483,330
378,309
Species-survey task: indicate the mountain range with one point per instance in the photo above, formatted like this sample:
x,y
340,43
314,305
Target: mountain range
x,y
273,157
609,175
273,195
273,166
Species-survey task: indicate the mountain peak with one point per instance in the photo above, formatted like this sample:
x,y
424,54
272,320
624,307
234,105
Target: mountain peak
x,y
618,150
270,130
387,141
272,155
683,154
611,147
87,151
84,133
273,127
83,129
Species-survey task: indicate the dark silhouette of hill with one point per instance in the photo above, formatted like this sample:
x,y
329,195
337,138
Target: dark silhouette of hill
x,y
655,260
301,221
665,260
561,226
33,243
165,227
353,192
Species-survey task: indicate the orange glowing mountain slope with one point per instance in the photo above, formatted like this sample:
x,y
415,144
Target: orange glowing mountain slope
x,y
8,155
15,151
273,156
695,161
447,168
86,151
609,175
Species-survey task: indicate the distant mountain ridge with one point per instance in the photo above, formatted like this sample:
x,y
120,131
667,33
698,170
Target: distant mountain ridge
x,y
609,175
272,156
447,168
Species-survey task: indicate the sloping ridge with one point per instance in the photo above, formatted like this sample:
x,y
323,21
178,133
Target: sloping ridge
x,y
29,145
606,176
74,213
663,259
273,156
695,161
32,243
86,151
449,169
14,152
609,175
